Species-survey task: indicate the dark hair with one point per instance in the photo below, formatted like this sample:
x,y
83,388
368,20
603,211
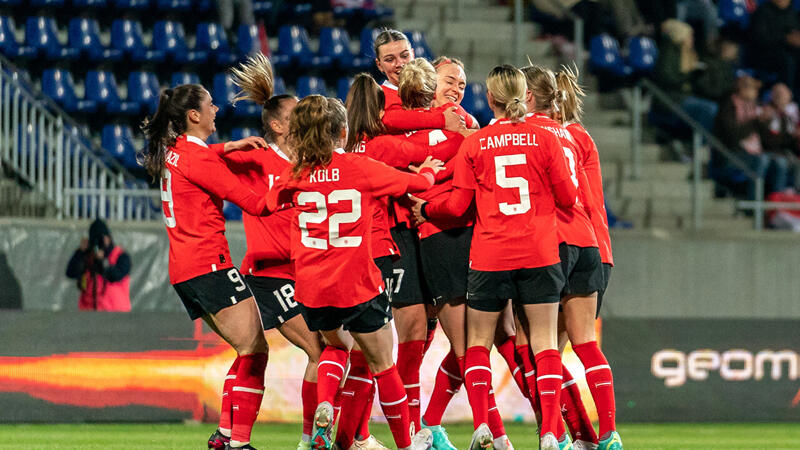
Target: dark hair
x,y
315,125
271,111
163,128
388,35
364,103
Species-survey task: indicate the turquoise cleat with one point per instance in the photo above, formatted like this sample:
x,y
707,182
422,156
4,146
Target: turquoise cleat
x,y
440,439
612,442
565,443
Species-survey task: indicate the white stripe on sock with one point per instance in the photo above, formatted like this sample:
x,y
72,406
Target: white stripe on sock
x,y
405,398
514,373
450,374
408,386
247,389
477,368
567,384
532,372
365,380
601,367
544,377
331,362
230,377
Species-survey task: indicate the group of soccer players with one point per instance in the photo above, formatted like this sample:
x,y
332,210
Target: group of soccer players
x,y
396,208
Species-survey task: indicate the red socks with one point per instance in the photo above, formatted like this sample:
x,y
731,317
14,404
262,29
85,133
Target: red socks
x,y
524,354
478,381
601,384
225,411
246,395
431,334
508,351
355,394
495,421
394,403
330,371
409,359
363,428
448,381
573,411
548,381
309,396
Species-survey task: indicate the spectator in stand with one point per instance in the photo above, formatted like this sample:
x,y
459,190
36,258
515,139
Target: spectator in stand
x,y
737,126
779,131
775,41
225,10
717,80
704,13
676,68
102,271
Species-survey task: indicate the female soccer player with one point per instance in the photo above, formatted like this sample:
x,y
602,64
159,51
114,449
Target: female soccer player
x,y
267,264
194,181
580,258
570,112
516,173
337,281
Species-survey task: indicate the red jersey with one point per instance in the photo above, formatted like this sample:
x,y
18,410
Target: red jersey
x,y
597,207
574,225
512,167
447,144
194,183
398,119
331,232
267,237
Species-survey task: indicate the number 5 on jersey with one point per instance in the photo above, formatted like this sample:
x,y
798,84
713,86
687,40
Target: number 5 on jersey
x,y
334,221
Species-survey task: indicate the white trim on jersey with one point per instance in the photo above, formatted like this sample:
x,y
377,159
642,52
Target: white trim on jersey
x,y
339,151
196,140
278,151
389,85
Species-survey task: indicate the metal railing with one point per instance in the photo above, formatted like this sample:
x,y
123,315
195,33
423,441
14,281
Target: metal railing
x,y
699,134
46,151
577,32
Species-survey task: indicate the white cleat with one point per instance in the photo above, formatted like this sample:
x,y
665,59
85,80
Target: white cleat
x,y
583,445
548,442
482,438
323,422
503,443
423,440
370,443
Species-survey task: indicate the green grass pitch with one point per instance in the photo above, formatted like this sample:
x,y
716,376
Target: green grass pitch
x,y
285,436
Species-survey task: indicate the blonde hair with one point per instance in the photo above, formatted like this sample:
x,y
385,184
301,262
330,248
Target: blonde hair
x,y
542,83
507,86
677,31
254,77
571,106
315,126
417,84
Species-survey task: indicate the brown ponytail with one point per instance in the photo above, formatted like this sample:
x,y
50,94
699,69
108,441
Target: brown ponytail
x,y
314,128
542,84
365,101
572,104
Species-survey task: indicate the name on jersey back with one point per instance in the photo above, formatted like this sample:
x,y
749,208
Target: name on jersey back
x,y
323,175
504,140
172,158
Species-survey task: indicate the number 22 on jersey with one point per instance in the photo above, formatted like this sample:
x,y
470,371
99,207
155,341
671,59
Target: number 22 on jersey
x,y
334,221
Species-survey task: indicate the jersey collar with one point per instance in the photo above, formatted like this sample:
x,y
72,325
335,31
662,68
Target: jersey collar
x,y
278,150
196,140
389,85
339,151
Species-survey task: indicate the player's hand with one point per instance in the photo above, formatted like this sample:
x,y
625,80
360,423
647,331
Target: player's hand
x,y
99,253
453,121
248,143
416,208
430,163
84,245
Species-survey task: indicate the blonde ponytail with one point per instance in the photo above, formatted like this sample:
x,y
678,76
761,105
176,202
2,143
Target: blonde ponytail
x,y
572,104
417,84
254,77
507,86
542,84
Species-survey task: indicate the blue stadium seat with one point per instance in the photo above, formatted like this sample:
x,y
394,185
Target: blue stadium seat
x,y
279,87
89,3
310,85
41,33
247,42
46,3
241,133
642,54
224,92
231,211
343,87
132,4
335,43
127,36
263,8
179,78
58,84
170,38
8,40
10,2
475,103
734,13
604,55
101,86
118,140
293,42
211,38
368,36
419,44
174,5
143,88
84,36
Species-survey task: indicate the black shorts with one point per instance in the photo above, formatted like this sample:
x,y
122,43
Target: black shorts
x,y
408,286
384,264
363,318
275,299
606,275
212,292
445,263
582,268
490,291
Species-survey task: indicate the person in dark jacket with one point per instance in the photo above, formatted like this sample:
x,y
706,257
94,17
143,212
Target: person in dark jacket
x,y
775,41
102,271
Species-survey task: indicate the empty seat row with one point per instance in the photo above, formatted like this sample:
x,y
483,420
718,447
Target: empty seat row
x,y
605,56
162,5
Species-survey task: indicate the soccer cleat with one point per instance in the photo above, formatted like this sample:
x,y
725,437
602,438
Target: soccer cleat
x,y
244,447
481,438
565,443
441,441
584,445
323,422
502,443
548,442
612,442
423,440
217,440
370,443
303,445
